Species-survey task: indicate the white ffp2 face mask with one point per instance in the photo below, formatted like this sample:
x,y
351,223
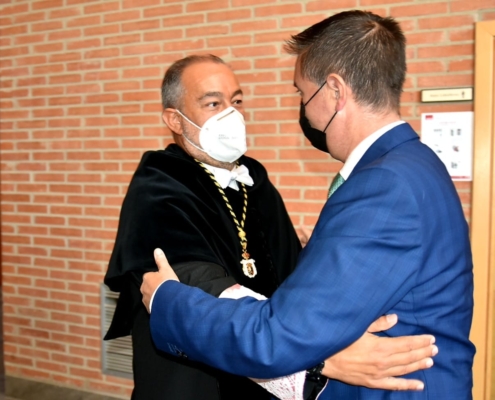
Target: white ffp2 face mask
x,y
223,136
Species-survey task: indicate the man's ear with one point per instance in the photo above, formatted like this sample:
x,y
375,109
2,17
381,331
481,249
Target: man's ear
x,y
338,90
172,120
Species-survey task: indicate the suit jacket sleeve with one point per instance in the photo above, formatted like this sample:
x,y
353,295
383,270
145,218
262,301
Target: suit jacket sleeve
x,y
362,259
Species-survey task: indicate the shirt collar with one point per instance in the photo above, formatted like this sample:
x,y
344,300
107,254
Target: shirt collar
x,y
225,178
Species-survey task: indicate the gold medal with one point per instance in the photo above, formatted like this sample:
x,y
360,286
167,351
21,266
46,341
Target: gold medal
x,y
249,268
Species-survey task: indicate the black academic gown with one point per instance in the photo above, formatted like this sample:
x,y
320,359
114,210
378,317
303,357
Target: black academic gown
x,y
173,204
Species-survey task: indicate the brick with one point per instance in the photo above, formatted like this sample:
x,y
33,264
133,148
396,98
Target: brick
x,y
49,220
261,103
17,280
51,326
9,358
15,51
176,9
310,221
48,48
305,207
274,89
280,115
66,232
425,67
101,121
446,81
121,16
84,331
102,98
122,39
86,244
462,6
47,26
51,366
83,310
83,133
212,30
461,65
186,44
14,30
206,5
373,2
425,38
279,10
488,16
58,253
229,40
35,354
168,34
425,9
251,26
338,4
302,21
83,44
184,20
66,359
141,25
446,51
65,297
462,35
84,200
446,21
35,374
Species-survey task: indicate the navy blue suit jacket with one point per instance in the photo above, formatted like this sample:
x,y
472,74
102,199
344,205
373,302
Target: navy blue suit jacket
x,y
392,239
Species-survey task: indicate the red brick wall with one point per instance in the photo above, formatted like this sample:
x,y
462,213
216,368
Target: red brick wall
x,y
80,102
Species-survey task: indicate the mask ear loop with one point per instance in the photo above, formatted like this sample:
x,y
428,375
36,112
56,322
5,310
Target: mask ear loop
x,y
331,119
185,137
187,119
311,98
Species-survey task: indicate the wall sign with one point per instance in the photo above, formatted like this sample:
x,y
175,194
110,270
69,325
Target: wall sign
x,y
450,136
440,95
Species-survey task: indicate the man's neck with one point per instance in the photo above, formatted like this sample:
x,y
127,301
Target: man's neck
x,y
215,163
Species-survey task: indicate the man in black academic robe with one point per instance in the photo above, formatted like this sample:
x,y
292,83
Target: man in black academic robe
x,y
173,204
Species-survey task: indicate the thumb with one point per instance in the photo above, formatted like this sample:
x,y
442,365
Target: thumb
x,y
383,323
160,259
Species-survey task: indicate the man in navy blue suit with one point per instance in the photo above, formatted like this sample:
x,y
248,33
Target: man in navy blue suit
x,y
392,237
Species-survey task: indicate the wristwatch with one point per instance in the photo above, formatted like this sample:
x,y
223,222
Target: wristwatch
x,y
314,374
315,382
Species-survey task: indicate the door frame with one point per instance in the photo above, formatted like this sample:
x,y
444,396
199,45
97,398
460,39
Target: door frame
x,y
482,208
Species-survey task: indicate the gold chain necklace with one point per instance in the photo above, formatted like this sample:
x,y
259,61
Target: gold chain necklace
x,y
248,266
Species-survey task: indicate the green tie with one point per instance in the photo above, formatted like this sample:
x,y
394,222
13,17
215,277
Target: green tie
x,y
337,181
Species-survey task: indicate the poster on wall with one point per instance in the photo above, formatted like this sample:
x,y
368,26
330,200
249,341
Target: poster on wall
x,y
450,136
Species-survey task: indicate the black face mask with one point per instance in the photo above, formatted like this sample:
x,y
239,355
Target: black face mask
x,y
316,137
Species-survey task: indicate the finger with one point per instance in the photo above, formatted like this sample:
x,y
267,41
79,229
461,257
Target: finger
x,y
160,259
398,384
383,323
405,344
406,363
412,367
